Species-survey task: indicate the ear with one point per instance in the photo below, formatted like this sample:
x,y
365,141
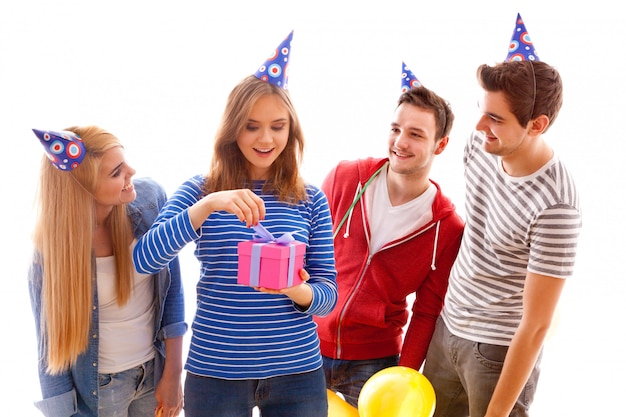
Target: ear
x,y
441,145
538,125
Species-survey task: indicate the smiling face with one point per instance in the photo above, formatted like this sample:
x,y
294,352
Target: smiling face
x,y
114,181
504,136
412,145
265,135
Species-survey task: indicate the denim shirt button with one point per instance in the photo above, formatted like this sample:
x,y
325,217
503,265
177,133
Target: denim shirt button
x,y
94,364
94,336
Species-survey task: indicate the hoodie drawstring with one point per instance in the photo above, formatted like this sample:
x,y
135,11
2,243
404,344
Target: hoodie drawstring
x,y
432,264
358,195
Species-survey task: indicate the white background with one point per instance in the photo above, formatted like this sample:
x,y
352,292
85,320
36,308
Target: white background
x,y
157,73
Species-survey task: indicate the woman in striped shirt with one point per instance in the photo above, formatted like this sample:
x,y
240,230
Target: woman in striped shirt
x,y
251,346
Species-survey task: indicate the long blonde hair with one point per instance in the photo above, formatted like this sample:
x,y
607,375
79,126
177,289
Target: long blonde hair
x,y
229,168
63,237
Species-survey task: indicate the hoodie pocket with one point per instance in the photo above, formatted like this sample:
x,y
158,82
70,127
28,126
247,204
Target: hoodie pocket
x,y
368,310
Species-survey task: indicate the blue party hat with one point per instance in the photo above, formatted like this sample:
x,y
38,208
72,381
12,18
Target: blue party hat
x,y
520,47
64,149
276,67
409,80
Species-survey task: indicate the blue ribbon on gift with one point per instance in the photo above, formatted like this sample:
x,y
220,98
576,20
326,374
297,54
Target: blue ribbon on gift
x,y
263,236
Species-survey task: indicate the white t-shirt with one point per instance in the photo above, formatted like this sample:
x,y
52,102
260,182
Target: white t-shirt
x,y
126,332
387,222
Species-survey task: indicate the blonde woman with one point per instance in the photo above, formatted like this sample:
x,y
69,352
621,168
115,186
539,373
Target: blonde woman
x,y
110,339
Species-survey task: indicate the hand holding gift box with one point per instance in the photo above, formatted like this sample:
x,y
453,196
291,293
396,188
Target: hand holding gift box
x,y
270,262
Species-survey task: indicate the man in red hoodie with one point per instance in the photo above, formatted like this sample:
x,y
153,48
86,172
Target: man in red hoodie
x,y
396,235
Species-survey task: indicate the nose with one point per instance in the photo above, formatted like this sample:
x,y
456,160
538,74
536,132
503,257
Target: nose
x,y
481,125
265,136
400,140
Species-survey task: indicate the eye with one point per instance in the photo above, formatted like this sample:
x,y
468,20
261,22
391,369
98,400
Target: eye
x,y
117,173
279,127
252,128
394,130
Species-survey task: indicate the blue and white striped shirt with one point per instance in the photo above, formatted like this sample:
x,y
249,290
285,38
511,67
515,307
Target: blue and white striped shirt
x,y
513,225
240,333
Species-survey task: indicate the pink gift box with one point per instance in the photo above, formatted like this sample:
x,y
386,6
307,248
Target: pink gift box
x,y
270,264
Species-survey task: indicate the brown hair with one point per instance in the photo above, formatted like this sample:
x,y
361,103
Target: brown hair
x,y
426,99
63,236
532,88
229,167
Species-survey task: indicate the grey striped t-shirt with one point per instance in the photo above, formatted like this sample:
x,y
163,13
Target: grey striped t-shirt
x,y
513,225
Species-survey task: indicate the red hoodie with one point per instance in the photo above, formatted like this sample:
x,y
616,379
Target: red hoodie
x,y
371,311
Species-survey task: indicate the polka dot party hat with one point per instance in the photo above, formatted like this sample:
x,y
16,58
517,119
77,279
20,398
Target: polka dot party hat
x,y
275,69
409,80
520,47
64,149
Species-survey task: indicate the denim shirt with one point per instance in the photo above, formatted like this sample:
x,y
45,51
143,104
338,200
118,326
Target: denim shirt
x,y
75,391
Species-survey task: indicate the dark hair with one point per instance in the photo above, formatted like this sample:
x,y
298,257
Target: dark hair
x,y
426,99
532,88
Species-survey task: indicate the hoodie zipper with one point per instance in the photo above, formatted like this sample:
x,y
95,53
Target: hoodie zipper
x,y
364,270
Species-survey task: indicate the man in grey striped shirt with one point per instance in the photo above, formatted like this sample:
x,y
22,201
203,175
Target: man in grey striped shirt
x,y
519,245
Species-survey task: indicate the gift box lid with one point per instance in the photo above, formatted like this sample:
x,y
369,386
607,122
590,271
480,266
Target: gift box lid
x,y
272,249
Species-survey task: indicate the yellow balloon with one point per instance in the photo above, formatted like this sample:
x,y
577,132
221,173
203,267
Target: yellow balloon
x,y
397,391
338,407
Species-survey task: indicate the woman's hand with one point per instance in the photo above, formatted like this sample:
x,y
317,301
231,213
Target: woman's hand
x,y
169,395
243,203
301,294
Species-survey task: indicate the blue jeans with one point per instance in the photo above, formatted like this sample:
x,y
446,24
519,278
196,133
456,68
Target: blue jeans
x,y
129,393
299,395
464,375
348,377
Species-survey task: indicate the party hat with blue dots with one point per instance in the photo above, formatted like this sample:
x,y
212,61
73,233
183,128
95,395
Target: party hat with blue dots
x,y
275,69
520,47
64,149
409,80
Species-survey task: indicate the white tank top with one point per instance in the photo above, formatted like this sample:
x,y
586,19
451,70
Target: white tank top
x,y
126,332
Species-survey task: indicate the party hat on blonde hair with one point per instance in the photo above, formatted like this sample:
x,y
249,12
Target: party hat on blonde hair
x,y
275,69
64,149
520,47
409,80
